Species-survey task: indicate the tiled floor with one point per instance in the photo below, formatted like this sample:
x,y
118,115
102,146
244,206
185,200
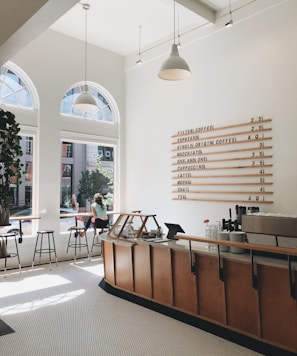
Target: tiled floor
x,y
63,312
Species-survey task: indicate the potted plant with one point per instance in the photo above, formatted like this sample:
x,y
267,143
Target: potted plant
x,y
10,163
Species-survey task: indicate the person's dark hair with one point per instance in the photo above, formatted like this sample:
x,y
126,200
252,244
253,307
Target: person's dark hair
x,y
98,198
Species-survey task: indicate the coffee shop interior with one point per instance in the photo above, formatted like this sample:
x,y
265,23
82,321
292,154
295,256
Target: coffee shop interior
x,y
203,148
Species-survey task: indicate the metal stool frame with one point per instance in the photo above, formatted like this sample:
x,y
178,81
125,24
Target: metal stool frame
x,y
77,242
96,237
48,249
4,238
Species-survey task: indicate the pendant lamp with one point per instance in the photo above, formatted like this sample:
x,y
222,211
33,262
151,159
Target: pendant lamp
x,y
85,101
175,67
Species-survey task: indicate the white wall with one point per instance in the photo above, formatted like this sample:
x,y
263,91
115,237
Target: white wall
x,y
238,73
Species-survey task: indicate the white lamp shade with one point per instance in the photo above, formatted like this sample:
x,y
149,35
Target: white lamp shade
x,y
175,67
85,101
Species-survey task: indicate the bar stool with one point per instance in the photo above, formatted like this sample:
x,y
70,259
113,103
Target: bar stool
x,y
96,237
3,249
77,233
48,248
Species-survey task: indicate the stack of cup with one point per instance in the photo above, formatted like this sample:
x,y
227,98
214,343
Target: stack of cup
x,y
237,236
224,235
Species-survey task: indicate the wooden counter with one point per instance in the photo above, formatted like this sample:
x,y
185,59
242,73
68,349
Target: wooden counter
x,y
217,289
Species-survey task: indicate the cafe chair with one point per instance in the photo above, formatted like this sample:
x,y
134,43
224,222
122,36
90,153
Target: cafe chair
x,y
48,246
77,240
5,249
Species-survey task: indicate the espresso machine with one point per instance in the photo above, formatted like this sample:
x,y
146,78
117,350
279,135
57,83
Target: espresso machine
x,y
235,225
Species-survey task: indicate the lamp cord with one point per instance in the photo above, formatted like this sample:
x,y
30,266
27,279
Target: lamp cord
x,y
174,21
86,8
230,12
139,41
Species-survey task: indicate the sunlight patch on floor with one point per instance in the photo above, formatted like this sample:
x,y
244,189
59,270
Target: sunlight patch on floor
x,y
40,303
97,269
31,284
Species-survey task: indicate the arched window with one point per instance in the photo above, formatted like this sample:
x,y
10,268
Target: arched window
x,y
104,111
15,88
18,95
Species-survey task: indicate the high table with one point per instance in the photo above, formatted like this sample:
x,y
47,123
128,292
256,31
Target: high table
x,y
20,219
77,215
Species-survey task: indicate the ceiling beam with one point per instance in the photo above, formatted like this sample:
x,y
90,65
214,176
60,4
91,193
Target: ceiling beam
x,y
22,21
199,8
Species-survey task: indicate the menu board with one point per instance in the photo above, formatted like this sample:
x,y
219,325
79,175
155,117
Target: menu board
x,y
224,164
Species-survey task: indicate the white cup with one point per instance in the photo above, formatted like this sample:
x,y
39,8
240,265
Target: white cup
x,y
237,236
224,235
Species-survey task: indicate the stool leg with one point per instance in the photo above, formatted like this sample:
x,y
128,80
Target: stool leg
x,y
35,250
85,235
54,248
40,250
70,234
75,245
17,252
5,261
93,241
49,250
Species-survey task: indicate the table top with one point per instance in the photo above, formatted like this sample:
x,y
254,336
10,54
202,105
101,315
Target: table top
x,y
25,217
89,213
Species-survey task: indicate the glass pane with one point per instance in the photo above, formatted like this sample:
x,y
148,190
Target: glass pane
x,y
11,99
4,90
13,91
25,98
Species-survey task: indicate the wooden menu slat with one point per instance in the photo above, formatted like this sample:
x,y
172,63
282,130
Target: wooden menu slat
x,y
222,184
218,168
250,158
229,176
247,201
226,143
247,123
224,152
221,136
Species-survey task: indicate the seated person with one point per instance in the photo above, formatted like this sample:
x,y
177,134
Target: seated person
x,y
99,217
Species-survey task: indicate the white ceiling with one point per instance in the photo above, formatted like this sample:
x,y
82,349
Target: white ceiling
x,y
114,24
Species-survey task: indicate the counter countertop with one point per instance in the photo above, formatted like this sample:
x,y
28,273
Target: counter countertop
x,y
202,248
